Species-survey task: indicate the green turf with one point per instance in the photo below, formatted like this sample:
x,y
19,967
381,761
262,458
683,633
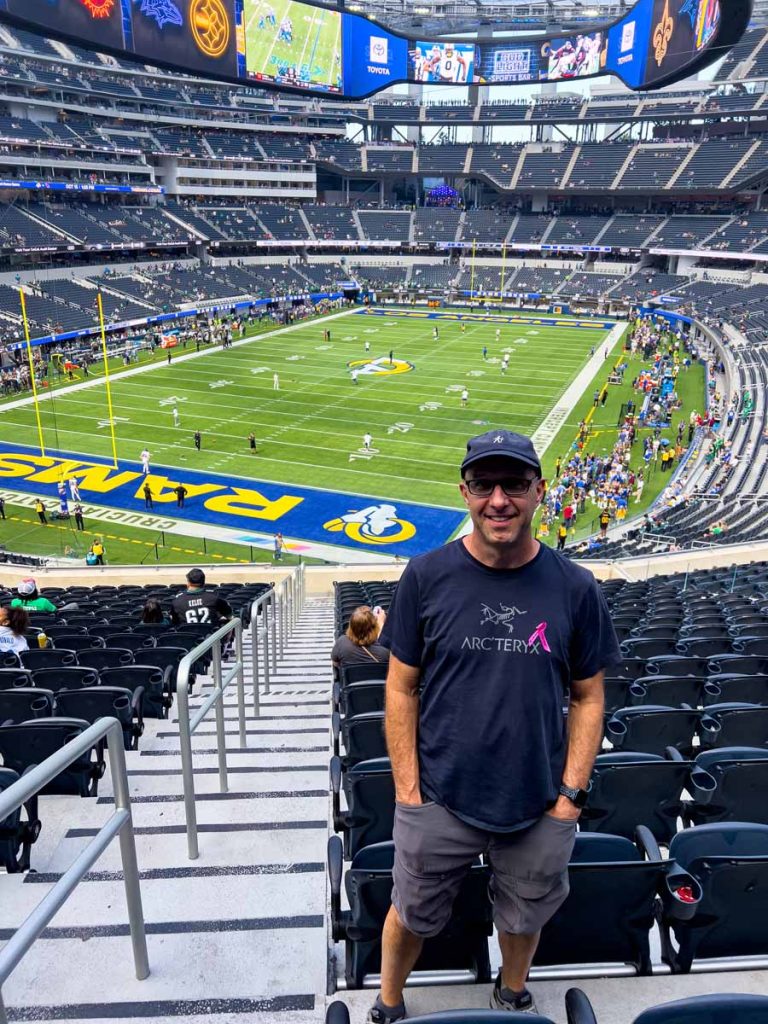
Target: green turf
x,y
310,431
314,49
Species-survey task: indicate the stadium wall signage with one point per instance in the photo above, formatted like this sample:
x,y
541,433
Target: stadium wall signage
x,y
303,513
290,44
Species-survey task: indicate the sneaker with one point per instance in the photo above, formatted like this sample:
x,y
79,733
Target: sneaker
x,y
381,1014
505,999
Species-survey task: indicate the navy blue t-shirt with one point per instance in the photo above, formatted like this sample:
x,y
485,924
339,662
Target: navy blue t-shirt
x,y
497,649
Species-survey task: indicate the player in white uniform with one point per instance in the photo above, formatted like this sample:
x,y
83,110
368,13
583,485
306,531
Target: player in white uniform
x,y
367,441
452,67
419,64
176,420
145,457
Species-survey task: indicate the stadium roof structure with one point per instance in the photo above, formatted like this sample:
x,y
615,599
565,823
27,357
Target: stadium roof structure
x,y
472,17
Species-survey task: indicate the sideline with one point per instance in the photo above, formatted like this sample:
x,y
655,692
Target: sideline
x,y
161,524
19,403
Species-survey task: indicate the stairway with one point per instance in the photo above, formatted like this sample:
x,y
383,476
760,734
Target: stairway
x,y
239,931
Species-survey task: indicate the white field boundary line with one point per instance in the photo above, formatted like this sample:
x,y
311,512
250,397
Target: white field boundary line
x,y
549,428
107,517
136,370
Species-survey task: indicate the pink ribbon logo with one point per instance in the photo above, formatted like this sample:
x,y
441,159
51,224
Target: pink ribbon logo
x,y
540,634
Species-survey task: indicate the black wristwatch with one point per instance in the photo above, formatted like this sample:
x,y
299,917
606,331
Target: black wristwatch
x,y
578,797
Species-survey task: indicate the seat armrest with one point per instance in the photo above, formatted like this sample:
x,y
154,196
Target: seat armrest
x,y
578,1008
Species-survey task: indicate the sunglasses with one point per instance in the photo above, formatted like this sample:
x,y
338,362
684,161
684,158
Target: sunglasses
x,y
513,486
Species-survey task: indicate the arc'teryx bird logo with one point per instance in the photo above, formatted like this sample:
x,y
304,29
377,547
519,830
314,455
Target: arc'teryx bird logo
x,y
505,617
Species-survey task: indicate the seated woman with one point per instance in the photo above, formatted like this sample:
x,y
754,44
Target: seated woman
x,y
358,646
152,614
14,623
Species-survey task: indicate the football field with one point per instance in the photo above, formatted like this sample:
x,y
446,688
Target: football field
x,y
311,468
282,34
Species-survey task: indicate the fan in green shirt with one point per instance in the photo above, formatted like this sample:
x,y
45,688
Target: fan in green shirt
x,y
30,599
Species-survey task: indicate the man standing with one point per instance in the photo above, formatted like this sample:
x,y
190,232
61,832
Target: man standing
x,y
145,457
97,549
40,509
181,493
391,357
487,634
354,376
79,522
168,356
2,508
147,496
464,398
367,441
275,382
197,606
367,345
198,439
74,489
279,545
485,351
176,420
252,442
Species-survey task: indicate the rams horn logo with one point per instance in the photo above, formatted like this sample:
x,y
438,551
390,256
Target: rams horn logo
x,y
380,367
376,524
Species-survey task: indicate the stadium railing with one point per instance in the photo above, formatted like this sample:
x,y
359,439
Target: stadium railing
x,y
120,825
187,725
280,608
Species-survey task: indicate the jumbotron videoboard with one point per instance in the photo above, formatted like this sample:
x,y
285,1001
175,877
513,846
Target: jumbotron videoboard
x,y
308,47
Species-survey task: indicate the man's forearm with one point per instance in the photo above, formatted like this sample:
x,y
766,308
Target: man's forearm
x,y
585,733
401,722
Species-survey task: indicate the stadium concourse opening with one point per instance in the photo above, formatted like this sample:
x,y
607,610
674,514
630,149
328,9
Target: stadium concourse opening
x,y
247,327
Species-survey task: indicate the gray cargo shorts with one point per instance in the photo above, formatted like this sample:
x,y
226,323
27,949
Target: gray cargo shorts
x,y
434,850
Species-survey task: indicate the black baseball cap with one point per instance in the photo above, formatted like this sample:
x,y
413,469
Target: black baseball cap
x,y
196,577
495,443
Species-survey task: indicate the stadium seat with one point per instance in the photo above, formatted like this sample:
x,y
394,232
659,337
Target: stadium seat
x,y
728,784
669,691
10,677
610,907
135,642
677,665
632,788
651,729
730,1008
167,659
94,702
730,865
108,657
462,945
78,642
59,629
642,647
24,703
17,835
360,698
48,657
730,687
734,725
337,1013
70,678
363,673
748,664
362,736
704,646
30,743
370,795
150,678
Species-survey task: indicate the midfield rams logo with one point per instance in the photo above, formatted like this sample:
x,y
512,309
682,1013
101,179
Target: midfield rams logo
x,y
376,524
380,367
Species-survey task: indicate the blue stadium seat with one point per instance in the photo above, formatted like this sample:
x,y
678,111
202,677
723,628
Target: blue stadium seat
x,y
24,703
632,788
728,784
730,865
651,729
369,790
30,743
17,835
734,725
462,945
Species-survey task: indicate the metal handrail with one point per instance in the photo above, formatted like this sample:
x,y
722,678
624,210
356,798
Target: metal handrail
x,y
214,700
280,608
120,824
